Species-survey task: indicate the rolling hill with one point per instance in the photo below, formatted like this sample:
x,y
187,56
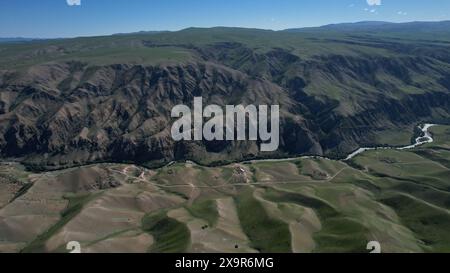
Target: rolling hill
x,y
398,198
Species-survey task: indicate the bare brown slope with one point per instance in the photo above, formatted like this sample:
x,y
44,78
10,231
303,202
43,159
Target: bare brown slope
x,y
122,113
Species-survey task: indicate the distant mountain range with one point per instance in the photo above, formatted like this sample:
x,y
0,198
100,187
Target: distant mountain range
x,y
15,40
364,26
442,26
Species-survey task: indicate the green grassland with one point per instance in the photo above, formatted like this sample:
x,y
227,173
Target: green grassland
x,y
206,210
266,234
74,207
180,46
399,198
170,235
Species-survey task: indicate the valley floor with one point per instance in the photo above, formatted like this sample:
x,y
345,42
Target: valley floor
x,y
400,198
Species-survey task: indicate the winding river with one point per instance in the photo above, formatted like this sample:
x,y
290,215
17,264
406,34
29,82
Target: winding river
x,y
424,139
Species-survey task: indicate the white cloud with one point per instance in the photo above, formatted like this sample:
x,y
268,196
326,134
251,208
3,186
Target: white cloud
x,y
374,2
402,13
74,2
371,10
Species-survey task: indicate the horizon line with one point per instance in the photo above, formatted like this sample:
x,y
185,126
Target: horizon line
x,y
218,26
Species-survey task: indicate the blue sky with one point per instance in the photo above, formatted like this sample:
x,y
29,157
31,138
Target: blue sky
x,y
56,18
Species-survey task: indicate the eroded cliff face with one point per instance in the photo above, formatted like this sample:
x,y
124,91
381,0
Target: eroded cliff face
x,y
122,113
348,98
70,113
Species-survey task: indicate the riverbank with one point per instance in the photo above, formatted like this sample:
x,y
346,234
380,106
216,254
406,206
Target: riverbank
x,y
421,140
426,138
